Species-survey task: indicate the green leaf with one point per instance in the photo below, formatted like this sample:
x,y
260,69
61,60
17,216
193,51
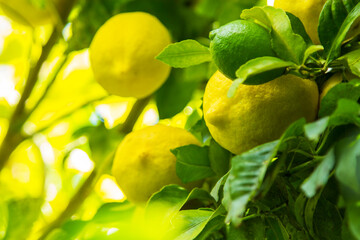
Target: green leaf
x,y
21,217
327,220
92,15
293,135
332,17
258,66
329,103
192,163
69,230
311,50
298,28
276,229
246,175
287,45
215,224
249,230
102,141
320,176
345,230
170,199
315,129
216,189
185,54
164,205
334,51
347,171
346,112
173,14
309,213
177,91
201,131
219,158
353,61
171,196
113,212
189,223
353,212
299,208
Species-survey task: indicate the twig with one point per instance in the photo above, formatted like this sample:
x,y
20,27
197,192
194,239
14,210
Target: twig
x,y
305,165
13,136
136,110
46,91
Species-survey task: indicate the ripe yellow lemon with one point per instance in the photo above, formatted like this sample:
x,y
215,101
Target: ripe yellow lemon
x,y
308,11
24,11
143,162
123,51
257,113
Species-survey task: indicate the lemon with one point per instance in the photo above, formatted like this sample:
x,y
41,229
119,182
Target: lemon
x,y
257,113
122,54
24,11
308,11
237,42
143,162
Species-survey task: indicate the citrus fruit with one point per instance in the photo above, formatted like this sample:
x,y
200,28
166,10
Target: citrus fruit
x,y
143,162
237,42
123,51
308,11
257,113
24,11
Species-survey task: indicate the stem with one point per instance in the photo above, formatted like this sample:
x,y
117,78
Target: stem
x,y
251,216
136,110
306,165
323,140
84,191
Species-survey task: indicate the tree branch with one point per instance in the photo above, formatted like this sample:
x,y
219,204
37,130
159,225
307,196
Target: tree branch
x,y
84,191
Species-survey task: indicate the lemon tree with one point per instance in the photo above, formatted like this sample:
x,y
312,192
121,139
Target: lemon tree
x,y
245,127
122,54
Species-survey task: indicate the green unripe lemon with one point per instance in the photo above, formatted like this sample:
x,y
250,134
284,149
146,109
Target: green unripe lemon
x,y
237,42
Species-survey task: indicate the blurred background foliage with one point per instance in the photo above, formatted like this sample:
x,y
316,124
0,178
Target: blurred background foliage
x,y
73,124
